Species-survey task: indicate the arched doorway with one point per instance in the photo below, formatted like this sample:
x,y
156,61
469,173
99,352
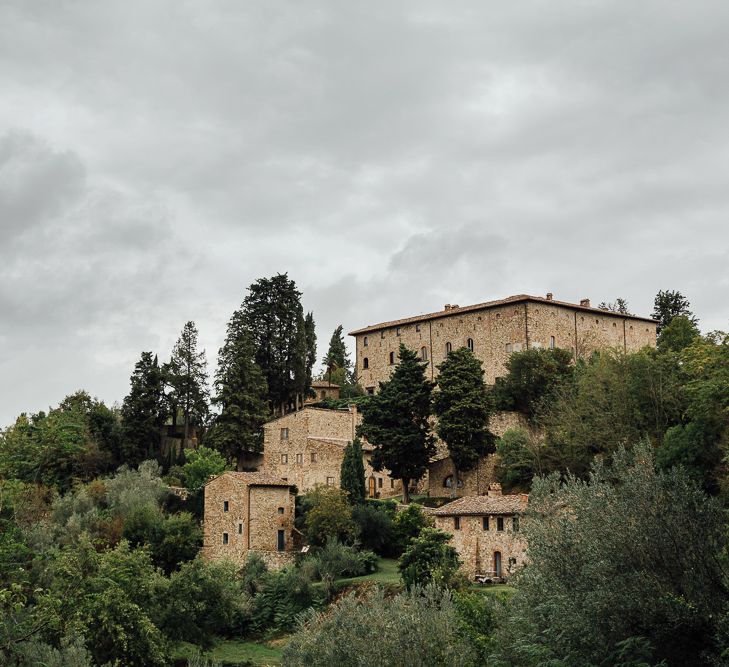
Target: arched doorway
x,y
497,563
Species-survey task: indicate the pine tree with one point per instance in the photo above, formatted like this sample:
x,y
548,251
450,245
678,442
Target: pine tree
x,y
352,476
274,316
337,355
186,374
143,412
463,408
310,334
240,395
667,305
396,422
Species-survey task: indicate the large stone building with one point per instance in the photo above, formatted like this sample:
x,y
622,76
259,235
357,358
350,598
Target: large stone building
x,y
248,512
495,329
306,448
485,532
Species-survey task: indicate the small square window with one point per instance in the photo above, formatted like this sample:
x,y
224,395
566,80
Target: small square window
x,y
225,538
370,391
225,506
313,457
284,458
457,522
284,434
417,327
280,510
485,523
508,347
299,458
500,523
330,481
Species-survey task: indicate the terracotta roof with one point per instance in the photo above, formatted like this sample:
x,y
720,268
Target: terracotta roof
x,y
509,504
342,442
304,409
519,298
254,478
324,384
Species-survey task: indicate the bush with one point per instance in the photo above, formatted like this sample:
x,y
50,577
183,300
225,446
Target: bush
x,y
430,559
516,462
408,524
374,524
419,627
336,560
328,516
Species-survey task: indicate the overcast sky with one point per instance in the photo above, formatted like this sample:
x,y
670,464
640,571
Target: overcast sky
x,y
157,156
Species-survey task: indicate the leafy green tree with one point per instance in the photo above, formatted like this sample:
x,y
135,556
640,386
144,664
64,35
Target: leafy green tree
x,y
617,563
533,379
273,314
329,516
352,476
463,408
375,530
143,412
678,334
179,541
241,397
429,559
407,525
396,422
187,375
518,461
620,305
668,305
202,464
337,356
694,447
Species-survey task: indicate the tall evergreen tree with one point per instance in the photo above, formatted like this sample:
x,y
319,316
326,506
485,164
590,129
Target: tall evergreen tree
x,y
352,477
274,316
462,406
187,375
240,395
667,305
337,355
396,422
310,333
143,412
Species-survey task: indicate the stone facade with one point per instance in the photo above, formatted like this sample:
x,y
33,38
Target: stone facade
x,y
494,330
322,390
485,532
246,513
306,448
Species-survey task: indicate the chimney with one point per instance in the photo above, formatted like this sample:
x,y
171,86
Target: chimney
x,y
585,303
447,306
494,489
549,296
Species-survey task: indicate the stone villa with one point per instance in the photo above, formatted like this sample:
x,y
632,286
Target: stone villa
x,y
485,532
248,512
495,329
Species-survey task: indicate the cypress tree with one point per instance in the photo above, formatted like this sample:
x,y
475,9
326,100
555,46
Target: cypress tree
x,y
352,477
462,406
241,397
395,421
337,355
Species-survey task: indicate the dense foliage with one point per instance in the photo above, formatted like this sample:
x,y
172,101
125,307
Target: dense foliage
x,y
352,474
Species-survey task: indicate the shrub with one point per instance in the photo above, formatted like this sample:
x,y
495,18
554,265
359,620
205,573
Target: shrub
x,y
336,560
430,558
329,516
201,464
374,525
407,525
418,627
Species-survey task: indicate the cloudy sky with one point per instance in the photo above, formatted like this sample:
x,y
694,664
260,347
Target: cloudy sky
x,y
157,156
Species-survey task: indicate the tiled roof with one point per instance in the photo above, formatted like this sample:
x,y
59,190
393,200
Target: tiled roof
x,y
255,478
306,408
509,504
342,442
518,298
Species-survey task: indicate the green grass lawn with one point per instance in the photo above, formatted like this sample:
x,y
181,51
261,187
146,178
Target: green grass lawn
x,y
237,652
387,573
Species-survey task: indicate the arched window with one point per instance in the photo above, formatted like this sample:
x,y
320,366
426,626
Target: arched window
x,y
424,353
469,344
392,358
448,482
365,362
449,348
365,341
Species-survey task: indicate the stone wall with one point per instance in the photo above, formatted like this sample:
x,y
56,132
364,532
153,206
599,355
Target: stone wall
x,y
477,546
497,331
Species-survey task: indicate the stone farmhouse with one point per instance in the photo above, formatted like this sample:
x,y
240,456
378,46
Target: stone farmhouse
x,y
249,512
306,448
323,389
493,331
485,532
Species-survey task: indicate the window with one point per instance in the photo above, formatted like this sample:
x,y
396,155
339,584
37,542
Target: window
x,y
392,358
323,393
379,482
365,341
424,353
281,542
284,458
330,481
225,506
280,510
240,528
448,482
370,391
284,434
469,344
457,522
500,523
508,348
313,457
382,334
392,483
397,331
299,458
515,524
417,327
225,538
551,342
365,363
485,523
449,348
